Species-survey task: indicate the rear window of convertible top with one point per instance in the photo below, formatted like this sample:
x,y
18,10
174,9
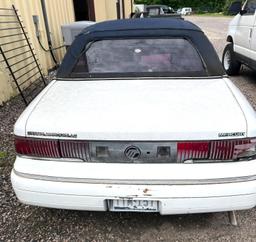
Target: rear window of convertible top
x,y
140,57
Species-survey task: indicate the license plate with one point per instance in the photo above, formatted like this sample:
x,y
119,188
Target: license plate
x,y
130,205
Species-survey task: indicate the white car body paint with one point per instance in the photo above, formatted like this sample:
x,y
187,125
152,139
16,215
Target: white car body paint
x,y
188,109
48,187
137,110
253,42
243,32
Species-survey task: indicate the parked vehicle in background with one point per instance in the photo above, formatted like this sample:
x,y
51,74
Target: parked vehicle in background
x,y
146,15
179,11
141,117
156,10
140,15
186,11
241,38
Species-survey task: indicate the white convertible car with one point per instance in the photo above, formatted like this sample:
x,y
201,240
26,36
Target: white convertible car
x,y
141,117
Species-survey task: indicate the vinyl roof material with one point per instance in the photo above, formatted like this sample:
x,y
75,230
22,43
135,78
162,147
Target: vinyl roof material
x,y
142,28
143,23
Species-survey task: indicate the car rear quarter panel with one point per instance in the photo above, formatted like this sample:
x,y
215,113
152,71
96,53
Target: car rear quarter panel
x,y
20,125
247,109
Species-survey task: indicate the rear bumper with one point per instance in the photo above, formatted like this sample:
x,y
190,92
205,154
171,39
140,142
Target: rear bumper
x,y
173,199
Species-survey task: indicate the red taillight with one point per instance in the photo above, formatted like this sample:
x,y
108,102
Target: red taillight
x,y
224,149
52,148
215,150
245,149
37,147
192,150
186,151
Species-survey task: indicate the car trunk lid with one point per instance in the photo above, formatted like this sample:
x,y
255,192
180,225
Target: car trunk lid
x,y
138,110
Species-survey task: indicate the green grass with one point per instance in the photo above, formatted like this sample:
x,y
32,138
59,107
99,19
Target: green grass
x,y
3,160
3,154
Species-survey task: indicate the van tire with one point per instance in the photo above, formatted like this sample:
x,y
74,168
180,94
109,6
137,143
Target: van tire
x,y
229,62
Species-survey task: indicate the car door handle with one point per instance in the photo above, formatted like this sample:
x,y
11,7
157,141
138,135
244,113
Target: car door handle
x,y
250,34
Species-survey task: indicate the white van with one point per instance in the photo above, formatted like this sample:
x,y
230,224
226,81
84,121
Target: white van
x,y
241,47
186,11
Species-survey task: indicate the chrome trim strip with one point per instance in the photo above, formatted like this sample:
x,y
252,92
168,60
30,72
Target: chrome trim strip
x,y
51,159
136,78
136,182
190,161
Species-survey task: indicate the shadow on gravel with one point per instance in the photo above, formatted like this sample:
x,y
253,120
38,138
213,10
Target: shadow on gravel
x,y
68,225
248,73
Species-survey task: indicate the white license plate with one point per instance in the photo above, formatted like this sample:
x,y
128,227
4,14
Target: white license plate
x,y
130,205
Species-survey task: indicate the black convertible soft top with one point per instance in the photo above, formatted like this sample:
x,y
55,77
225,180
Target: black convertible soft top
x,y
137,24
143,28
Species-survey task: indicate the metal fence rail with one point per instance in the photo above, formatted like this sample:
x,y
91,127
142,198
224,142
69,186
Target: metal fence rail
x,y
21,61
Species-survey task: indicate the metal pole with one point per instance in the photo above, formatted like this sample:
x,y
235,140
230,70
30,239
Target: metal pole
x,y
13,76
123,9
118,9
131,7
29,44
46,23
232,218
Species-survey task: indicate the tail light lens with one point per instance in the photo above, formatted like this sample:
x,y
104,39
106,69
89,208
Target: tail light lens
x,y
74,149
192,150
245,150
52,148
216,150
37,147
196,151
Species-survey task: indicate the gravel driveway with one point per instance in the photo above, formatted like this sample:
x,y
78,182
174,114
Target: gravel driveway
x,y
19,222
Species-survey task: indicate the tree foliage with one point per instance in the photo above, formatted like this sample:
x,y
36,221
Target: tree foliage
x,y
198,5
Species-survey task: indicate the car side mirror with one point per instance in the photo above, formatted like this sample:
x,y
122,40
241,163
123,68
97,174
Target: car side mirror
x,y
243,11
235,8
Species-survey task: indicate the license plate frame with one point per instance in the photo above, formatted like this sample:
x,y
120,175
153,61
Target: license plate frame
x,y
133,205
